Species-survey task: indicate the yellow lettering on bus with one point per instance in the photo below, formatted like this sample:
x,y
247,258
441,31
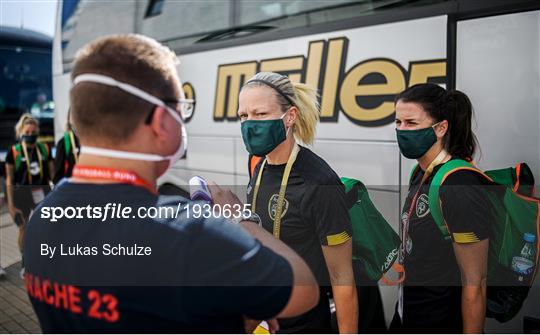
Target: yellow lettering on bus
x,y
189,92
291,66
230,79
421,72
314,63
365,92
352,89
335,59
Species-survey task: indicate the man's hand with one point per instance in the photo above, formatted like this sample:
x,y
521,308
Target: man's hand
x,y
305,291
222,196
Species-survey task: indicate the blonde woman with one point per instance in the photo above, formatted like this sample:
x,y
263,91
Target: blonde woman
x,y
28,173
297,195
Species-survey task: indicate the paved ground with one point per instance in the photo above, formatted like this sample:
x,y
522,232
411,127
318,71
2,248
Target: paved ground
x,y
9,251
16,314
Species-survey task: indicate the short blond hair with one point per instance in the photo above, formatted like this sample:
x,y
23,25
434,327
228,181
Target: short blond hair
x,y
304,97
109,112
25,119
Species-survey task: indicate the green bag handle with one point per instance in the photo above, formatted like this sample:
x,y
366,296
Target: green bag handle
x,y
434,200
17,154
44,151
67,143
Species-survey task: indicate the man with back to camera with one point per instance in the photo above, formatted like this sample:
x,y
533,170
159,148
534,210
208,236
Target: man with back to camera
x,y
200,275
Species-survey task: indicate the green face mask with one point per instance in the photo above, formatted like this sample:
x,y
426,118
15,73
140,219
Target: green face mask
x,y
29,139
263,136
414,144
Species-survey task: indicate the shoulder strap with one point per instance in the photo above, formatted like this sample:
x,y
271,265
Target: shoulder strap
x,y
67,143
413,173
252,164
434,188
352,189
17,155
44,149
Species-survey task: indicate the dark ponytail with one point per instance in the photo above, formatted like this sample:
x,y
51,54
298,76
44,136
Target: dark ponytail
x,y
460,140
453,106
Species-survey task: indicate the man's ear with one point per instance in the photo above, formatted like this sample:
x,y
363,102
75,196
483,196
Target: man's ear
x,y
441,129
157,123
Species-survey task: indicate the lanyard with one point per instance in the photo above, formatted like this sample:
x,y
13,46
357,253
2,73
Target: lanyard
x,y
26,157
74,149
120,176
283,187
404,227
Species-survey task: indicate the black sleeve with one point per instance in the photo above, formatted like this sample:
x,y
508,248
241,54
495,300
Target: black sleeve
x,y
9,158
59,161
327,207
239,275
466,207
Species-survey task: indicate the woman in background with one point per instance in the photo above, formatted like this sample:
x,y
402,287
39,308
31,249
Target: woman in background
x,y
29,172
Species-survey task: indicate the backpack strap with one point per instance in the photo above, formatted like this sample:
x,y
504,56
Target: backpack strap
x,y
252,164
17,155
44,149
67,143
414,172
351,197
435,205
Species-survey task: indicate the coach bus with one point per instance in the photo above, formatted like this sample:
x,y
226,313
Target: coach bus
x,y
359,55
25,83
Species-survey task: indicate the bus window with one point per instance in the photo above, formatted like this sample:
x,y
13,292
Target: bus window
x,y
294,14
236,19
154,8
185,21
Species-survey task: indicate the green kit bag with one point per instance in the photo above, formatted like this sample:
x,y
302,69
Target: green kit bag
x,y
375,243
516,223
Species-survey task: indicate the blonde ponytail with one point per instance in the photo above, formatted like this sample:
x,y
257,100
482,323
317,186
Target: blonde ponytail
x,y
25,119
306,100
289,94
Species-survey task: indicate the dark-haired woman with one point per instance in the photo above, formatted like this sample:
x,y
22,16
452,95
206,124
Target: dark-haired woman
x,y
67,153
445,280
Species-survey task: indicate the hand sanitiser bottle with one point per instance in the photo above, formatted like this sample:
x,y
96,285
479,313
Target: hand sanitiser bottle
x,y
523,265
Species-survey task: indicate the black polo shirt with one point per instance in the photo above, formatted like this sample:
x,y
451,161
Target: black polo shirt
x,y
315,214
432,287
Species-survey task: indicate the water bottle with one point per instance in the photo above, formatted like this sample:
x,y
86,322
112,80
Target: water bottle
x,y
523,265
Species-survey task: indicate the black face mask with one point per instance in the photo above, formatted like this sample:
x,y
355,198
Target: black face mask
x,y
29,139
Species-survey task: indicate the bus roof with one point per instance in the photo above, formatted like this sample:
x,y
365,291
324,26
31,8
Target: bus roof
x,y
23,37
